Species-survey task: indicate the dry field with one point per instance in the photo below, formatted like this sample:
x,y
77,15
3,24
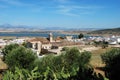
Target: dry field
x,y
96,61
2,67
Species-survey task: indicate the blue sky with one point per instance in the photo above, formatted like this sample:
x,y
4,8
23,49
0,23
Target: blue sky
x,y
61,13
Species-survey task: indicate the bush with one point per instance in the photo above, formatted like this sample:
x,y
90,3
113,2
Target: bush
x,y
21,74
86,74
70,65
8,49
102,44
20,57
112,61
80,36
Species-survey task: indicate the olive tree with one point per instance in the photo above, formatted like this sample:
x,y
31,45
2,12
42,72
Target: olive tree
x,y
70,65
80,36
8,48
112,64
20,57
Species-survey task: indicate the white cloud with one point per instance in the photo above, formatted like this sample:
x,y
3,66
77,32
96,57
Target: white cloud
x,y
75,10
66,10
69,9
69,14
78,7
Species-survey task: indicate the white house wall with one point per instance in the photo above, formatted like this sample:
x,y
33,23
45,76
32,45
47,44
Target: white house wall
x,y
46,46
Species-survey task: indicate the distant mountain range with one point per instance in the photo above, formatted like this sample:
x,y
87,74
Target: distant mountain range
x,y
33,28
18,28
8,27
70,29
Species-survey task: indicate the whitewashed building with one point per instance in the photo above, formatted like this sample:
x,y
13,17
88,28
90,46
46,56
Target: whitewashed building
x,y
118,40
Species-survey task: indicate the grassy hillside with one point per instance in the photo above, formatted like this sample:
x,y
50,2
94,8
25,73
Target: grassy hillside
x,y
106,31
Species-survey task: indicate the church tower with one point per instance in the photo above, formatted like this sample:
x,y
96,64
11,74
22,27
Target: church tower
x,y
51,37
39,45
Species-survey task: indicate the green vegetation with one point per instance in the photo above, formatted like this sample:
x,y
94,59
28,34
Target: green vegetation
x,y
112,67
21,74
96,60
80,36
102,44
70,65
20,57
8,49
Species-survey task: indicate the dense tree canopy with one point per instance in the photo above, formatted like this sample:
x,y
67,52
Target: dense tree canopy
x,y
102,44
8,49
80,36
70,65
20,57
112,61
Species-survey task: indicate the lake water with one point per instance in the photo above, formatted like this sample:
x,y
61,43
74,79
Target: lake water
x,y
30,34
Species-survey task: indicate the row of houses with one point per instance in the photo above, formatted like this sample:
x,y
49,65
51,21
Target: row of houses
x,y
50,44
4,42
55,45
112,40
43,44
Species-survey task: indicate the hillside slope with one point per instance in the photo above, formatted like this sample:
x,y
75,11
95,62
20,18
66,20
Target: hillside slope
x,y
106,31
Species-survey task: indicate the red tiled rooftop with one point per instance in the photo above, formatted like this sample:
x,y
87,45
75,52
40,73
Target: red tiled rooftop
x,y
41,39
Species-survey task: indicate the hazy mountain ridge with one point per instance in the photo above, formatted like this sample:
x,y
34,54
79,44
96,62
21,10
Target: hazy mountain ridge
x,y
32,28
16,28
107,31
7,26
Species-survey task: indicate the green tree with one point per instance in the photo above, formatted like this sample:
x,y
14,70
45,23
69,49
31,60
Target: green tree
x,y
112,61
20,57
102,44
21,74
86,74
8,49
70,65
27,44
80,36
67,66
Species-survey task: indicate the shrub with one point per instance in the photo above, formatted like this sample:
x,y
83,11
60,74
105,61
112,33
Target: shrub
x,y
86,74
20,57
70,65
102,44
112,61
80,36
21,74
8,49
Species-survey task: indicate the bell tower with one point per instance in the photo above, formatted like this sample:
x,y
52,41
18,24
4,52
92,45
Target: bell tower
x,y
51,37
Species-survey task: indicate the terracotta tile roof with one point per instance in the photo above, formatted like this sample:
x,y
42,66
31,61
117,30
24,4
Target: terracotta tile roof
x,y
59,38
41,39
